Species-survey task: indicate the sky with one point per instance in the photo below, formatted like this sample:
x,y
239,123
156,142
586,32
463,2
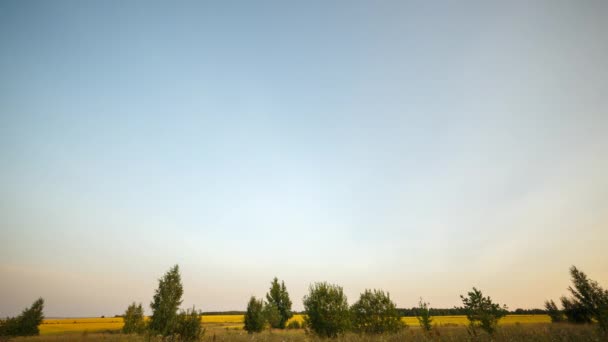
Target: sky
x,y
422,148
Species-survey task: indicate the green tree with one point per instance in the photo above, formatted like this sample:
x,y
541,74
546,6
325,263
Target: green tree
x,y
375,313
272,315
166,301
26,324
254,317
482,312
575,312
554,312
134,320
423,314
188,327
588,294
279,297
327,311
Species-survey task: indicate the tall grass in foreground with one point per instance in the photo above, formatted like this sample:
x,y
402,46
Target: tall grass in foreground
x,y
524,332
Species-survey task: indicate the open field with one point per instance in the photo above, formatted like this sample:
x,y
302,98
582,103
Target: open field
x,y
235,323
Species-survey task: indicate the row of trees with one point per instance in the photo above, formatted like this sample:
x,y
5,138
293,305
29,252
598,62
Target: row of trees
x,y
328,314
588,302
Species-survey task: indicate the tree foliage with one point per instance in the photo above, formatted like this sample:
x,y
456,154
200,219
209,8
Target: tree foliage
x,y
482,312
134,319
272,315
26,324
590,295
554,312
424,315
188,326
254,316
327,311
589,301
278,297
575,312
166,301
375,313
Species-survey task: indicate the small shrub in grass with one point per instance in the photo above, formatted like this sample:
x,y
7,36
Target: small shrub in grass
x,y
134,320
423,314
482,312
188,327
375,313
554,312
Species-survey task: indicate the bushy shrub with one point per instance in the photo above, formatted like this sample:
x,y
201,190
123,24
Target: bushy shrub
x,y
254,317
375,313
327,311
134,320
188,327
482,312
26,324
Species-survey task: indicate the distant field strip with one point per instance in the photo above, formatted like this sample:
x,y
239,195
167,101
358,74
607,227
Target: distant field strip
x,y
80,325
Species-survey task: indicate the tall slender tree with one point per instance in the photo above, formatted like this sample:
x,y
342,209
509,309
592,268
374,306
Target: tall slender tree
x,y
166,301
279,297
423,314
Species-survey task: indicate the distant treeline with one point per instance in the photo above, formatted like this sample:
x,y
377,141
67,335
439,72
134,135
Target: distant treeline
x,y
222,313
413,312
404,312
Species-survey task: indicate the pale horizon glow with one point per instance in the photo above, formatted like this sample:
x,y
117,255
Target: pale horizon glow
x,y
421,148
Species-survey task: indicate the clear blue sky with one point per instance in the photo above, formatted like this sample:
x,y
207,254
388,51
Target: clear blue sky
x,y
418,147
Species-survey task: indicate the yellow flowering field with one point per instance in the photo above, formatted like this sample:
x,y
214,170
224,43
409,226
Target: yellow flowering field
x,y
92,325
79,325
